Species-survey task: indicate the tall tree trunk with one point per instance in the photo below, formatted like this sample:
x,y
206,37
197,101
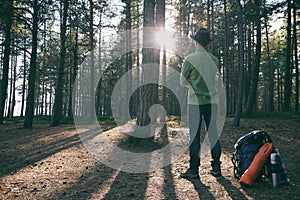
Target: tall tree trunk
x,y
65,96
253,89
29,113
160,21
51,95
92,63
99,103
8,107
137,56
128,60
75,68
288,70
270,104
211,26
147,91
44,92
208,14
44,99
249,60
226,58
240,16
7,42
57,107
296,58
13,86
24,82
279,91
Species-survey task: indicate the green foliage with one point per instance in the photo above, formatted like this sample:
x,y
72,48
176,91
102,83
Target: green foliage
x,y
173,121
106,120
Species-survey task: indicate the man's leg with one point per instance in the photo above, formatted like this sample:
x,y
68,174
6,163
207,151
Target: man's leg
x,y
194,128
194,122
210,116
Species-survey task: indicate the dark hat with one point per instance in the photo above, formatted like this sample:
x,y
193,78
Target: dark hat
x,y
202,36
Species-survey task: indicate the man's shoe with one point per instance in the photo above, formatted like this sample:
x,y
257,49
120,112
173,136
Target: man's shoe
x,y
216,168
216,171
190,174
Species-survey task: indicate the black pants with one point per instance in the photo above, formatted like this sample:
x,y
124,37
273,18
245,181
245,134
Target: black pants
x,y
195,115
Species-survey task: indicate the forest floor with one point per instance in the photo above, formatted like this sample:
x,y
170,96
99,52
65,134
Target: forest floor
x,y
52,163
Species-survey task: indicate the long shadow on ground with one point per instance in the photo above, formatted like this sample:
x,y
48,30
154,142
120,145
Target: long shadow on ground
x,y
136,185
21,150
202,189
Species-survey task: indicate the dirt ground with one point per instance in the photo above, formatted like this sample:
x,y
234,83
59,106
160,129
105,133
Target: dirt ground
x,y
52,163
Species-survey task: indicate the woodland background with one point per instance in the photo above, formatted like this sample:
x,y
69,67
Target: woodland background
x,y
43,43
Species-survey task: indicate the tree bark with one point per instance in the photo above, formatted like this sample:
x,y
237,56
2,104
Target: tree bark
x,y
160,22
240,63
29,113
57,107
75,69
128,59
226,58
24,83
7,43
13,86
296,58
99,104
248,71
92,63
270,104
253,89
137,97
288,70
147,91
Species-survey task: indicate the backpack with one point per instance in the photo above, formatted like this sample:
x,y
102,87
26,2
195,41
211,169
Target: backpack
x,y
246,148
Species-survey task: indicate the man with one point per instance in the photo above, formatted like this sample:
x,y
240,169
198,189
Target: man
x,y
198,74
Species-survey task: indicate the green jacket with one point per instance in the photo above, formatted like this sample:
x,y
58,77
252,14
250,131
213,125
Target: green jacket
x,y
199,75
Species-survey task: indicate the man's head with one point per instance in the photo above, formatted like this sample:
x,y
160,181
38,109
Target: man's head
x,y
202,37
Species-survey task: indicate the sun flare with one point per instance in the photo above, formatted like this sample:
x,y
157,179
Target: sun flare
x,y
165,39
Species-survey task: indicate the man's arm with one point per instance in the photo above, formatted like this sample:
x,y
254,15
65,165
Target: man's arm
x,y
185,74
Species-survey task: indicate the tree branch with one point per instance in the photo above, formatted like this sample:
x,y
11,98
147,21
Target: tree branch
x,y
23,9
21,48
